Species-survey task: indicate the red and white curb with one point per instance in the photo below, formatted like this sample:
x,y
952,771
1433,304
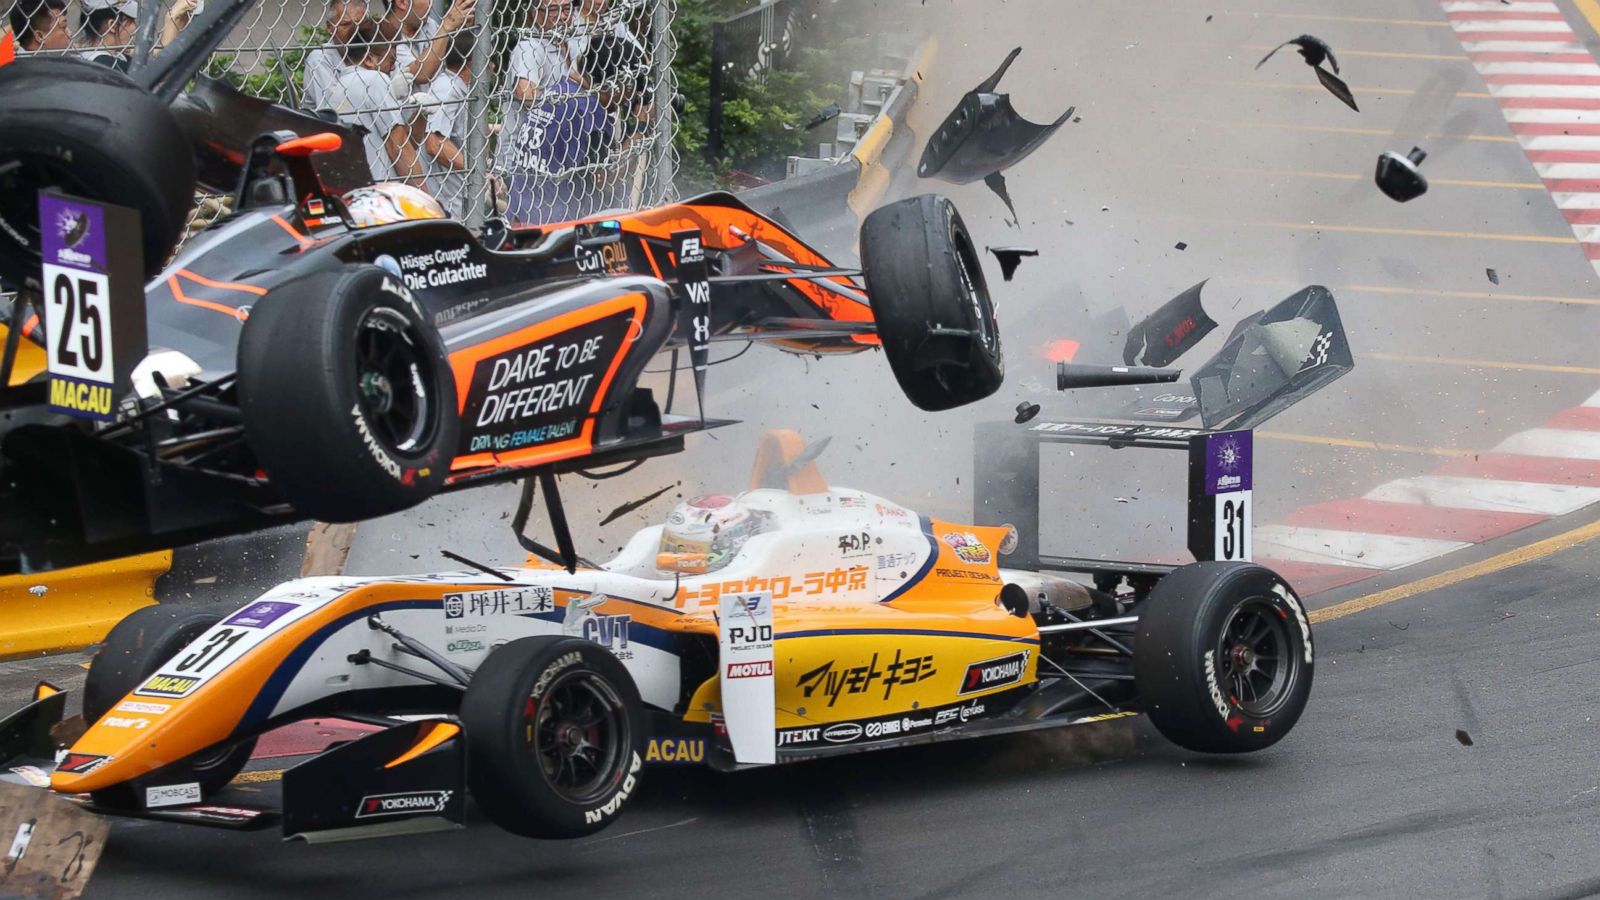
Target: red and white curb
x,y
1529,477
1548,87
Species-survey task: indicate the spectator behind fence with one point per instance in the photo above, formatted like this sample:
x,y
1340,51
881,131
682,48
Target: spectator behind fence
x,y
537,63
323,64
421,41
178,18
545,181
615,71
594,18
41,25
446,129
361,97
108,27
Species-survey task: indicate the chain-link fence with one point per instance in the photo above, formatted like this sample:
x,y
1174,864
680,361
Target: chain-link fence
x,y
537,110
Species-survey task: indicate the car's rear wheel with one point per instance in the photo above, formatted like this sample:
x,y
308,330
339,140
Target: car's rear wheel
x,y
348,398
931,303
139,645
87,130
1223,657
555,737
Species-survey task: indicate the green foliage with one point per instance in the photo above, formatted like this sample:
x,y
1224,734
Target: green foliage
x,y
763,122
270,76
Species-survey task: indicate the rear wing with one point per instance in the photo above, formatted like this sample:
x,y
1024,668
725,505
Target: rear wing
x,y
1221,481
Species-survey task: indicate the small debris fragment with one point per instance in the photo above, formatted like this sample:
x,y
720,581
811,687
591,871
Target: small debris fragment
x,y
1464,738
632,505
1180,246
1315,51
1010,258
38,590
1494,277
1026,411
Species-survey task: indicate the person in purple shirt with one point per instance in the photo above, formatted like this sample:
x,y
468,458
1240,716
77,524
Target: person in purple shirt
x,y
546,179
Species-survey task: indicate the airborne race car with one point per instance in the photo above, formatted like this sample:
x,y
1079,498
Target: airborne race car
x,y
303,341
845,623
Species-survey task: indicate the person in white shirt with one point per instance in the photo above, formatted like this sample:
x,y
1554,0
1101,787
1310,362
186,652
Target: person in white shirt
x,y
109,27
361,97
591,18
323,64
537,63
445,131
421,40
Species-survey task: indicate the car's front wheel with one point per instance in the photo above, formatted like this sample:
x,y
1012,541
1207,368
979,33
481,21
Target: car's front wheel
x,y
1223,657
555,737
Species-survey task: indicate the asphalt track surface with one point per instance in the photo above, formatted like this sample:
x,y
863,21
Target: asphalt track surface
x,y
1266,181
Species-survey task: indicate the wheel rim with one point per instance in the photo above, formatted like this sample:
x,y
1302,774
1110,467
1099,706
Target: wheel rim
x,y
579,735
982,305
1257,663
392,378
19,193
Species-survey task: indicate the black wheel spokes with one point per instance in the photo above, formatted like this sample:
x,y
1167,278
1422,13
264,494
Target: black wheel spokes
x,y
1256,662
389,372
579,737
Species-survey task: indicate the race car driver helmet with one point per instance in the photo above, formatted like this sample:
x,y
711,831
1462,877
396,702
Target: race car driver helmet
x,y
704,534
388,202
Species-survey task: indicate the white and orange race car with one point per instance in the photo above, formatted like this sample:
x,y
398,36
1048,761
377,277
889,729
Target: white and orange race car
x,y
796,620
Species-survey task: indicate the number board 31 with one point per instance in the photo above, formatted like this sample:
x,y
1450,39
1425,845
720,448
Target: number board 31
x,y
1220,488
92,291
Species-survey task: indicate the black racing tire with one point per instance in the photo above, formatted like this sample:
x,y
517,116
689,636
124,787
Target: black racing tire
x,y
929,297
90,131
1223,657
527,704
132,652
349,401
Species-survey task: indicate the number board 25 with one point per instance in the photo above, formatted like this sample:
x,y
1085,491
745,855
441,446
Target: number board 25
x,y
92,293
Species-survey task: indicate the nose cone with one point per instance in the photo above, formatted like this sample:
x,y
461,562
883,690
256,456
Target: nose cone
x,y
1398,176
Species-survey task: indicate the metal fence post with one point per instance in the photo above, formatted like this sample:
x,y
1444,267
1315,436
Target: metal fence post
x,y
477,138
719,61
145,37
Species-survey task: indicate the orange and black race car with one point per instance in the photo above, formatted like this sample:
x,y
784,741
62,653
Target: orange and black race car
x,y
338,350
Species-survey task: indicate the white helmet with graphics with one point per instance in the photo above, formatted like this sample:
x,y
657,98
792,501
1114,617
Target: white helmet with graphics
x,y
704,534
388,202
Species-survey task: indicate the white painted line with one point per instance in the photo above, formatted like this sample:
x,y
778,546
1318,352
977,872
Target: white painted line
x,y
1538,68
1545,90
1559,442
1560,142
1587,234
1553,116
1577,201
1594,400
1521,47
1347,548
1567,170
1466,27
1468,6
1456,492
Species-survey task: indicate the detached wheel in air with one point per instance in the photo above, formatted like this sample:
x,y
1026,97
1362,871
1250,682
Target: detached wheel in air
x,y
555,737
1223,657
139,645
931,302
348,398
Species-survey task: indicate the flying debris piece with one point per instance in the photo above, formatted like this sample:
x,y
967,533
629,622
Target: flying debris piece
x,y
996,182
1010,258
824,115
487,570
983,136
1180,246
1170,331
1464,738
806,456
1274,359
1316,51
632,505
1026,411
1398,176
1494,277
